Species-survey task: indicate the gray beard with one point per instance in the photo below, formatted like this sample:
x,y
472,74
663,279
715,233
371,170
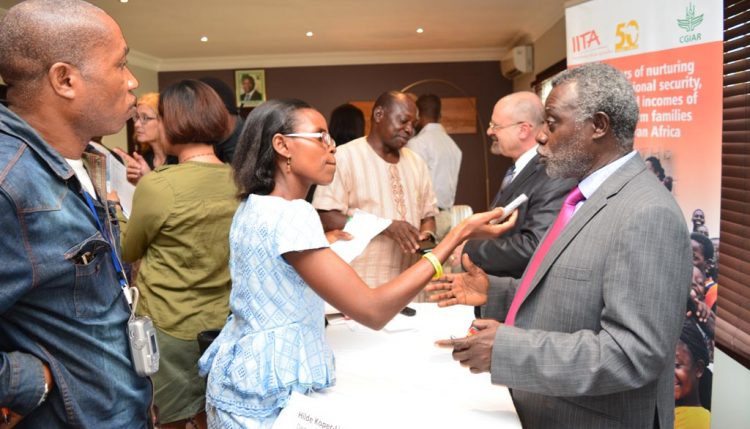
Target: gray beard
x,y
572,160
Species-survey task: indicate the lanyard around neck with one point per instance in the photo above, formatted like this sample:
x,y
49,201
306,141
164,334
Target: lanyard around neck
x,y
112,253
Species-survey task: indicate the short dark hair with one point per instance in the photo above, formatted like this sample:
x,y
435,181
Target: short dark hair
x,y
386,100
347,123
705,242
254,162
38,33
695,340
429,106
192,112
708,253
225,92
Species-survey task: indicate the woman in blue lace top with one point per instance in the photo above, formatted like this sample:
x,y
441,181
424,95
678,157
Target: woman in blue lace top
x,y
282,268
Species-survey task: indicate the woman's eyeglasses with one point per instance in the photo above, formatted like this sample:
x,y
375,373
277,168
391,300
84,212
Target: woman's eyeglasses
x,y
143,119
322,137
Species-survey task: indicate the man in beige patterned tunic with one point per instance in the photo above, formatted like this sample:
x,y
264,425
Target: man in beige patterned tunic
x,y
378,175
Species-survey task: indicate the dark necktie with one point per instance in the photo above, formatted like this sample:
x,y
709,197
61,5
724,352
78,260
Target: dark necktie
x,y
506,181
566,213
508,177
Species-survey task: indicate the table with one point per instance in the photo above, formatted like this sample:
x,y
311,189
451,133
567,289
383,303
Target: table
x,y
398,378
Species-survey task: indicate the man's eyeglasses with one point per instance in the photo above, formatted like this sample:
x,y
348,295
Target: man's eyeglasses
x,y
322,137
497,127
143,118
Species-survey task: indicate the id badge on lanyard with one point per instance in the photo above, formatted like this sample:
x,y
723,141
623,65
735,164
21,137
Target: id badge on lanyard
x,y
141,332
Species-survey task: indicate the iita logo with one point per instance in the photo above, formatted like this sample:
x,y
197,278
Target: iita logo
x,y
585,41
689,24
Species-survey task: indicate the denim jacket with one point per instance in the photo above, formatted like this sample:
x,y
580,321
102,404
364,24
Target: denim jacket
x,y
60,299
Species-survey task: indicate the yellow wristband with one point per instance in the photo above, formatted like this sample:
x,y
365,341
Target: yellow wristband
x,y
435,264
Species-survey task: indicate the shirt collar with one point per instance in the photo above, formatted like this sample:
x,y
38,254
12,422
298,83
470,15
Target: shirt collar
x,y
524,159
590,184
432,126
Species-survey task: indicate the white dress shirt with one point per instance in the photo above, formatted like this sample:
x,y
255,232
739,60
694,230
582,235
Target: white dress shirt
x,y
443,159
524,160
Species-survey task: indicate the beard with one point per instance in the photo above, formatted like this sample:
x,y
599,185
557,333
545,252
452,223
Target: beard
x,y
571,159
495,147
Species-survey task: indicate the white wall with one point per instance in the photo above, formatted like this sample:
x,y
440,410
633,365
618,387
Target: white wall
x,y
730,401
549,48
148,82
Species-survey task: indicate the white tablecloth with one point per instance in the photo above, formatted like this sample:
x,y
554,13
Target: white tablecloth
x,y
398,378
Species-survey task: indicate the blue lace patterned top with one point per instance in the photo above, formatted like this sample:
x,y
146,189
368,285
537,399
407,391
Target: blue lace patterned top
x,y
273,343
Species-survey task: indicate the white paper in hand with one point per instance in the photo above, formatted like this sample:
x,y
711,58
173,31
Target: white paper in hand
x,y
117,179
363,227
125,190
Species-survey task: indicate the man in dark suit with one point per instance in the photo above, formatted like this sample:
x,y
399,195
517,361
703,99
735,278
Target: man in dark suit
x,y
249,92
590,330
516,120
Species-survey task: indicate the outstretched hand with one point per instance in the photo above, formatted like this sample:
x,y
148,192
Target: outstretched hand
x,y
469,288
474,352
136,165
478,225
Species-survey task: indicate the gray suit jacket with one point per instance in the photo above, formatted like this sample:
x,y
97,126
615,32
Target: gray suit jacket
x,y
508,254
594,340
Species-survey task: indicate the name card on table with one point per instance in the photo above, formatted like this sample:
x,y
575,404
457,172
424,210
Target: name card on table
x,y
304,412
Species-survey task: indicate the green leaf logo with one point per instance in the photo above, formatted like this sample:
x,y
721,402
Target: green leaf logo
x,y
691,21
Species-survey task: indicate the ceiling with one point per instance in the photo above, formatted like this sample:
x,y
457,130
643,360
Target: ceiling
x,y
165,34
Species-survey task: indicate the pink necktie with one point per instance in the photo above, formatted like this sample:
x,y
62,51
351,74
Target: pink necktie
x,y
569,206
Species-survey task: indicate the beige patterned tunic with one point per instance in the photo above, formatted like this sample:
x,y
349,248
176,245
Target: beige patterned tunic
x,y
401,191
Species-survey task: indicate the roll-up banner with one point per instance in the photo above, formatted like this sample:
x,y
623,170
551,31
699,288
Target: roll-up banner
x,y
672,51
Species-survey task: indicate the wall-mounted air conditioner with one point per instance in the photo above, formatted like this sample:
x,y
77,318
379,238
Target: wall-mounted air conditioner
x,y
520,60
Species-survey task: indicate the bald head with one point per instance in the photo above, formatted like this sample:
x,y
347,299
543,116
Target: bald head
x,y
516,119
388,99
36,34
522,106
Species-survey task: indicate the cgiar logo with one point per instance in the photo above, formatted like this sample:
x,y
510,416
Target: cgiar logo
x,y
689,24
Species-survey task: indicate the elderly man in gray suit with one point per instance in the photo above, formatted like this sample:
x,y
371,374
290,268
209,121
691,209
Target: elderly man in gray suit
x,y
590,330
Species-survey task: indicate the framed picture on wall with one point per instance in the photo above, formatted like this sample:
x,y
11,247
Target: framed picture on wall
x,y
250,87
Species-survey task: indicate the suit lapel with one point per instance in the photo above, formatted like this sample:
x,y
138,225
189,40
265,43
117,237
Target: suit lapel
x,y
587,212
518,182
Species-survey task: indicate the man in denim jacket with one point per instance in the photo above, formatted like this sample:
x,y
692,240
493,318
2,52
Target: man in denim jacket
x,y
64,356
